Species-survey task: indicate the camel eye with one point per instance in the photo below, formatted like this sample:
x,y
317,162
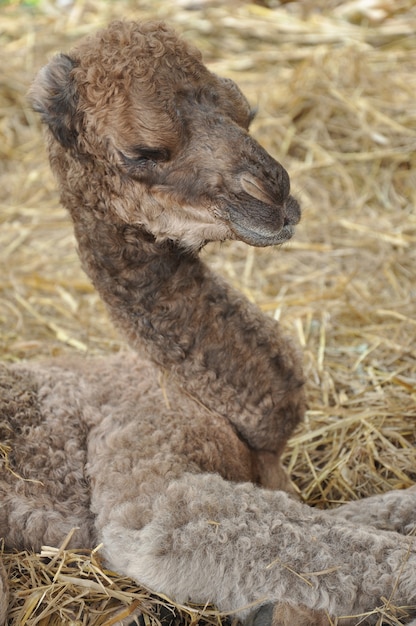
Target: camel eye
x,y
140,156
142,160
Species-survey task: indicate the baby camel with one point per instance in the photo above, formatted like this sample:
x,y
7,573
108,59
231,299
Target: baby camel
x,y
171,458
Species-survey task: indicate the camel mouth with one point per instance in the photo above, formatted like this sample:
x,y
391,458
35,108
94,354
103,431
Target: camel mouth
x,y
259,224
260,238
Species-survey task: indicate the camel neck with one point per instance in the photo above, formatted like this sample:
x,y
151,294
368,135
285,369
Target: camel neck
x,y
151,289
216,345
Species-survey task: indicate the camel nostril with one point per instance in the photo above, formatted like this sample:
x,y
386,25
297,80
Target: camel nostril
x,y
255,188
272,187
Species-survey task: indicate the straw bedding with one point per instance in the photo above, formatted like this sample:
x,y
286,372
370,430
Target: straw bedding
x,y
335,84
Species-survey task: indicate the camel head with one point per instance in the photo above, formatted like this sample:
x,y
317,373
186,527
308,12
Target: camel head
x,y
140,131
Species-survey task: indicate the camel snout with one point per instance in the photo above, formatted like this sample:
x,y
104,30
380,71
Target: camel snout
x,y
274,194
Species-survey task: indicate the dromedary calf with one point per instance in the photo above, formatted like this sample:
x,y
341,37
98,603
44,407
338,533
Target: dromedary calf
x,y
181,482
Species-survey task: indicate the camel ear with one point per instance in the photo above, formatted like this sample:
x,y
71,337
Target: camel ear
x,y
53,94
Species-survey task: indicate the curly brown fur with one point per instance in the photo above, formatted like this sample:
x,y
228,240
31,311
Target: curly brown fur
x,y
45,492
170,458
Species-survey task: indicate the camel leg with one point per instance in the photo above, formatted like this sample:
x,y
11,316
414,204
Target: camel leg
x,y
231,544
394,510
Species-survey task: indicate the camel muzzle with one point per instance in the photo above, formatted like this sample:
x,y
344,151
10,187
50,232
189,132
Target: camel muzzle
x,y
263,213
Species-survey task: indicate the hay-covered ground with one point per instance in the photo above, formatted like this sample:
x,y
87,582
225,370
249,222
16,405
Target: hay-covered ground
x,y
335,85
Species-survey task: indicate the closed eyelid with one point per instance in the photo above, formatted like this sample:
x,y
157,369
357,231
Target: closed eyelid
x,y
135,153
149,152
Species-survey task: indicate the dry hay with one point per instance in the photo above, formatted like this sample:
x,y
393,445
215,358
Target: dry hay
x,y
334,83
